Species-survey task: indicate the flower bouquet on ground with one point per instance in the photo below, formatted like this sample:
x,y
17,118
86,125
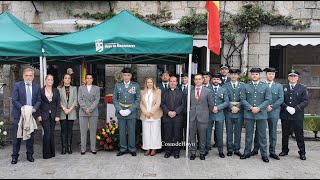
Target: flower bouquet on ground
x,y
108,136
3,134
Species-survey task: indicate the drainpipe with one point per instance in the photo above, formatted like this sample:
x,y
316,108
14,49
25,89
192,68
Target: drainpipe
x,y
245,64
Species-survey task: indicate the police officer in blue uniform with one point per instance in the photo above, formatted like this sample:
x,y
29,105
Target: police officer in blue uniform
x,y
292,113
224,70
234,113
273,114
126,99
221,101
255,98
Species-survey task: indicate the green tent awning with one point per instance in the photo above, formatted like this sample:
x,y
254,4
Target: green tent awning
x,y
17,38
120,40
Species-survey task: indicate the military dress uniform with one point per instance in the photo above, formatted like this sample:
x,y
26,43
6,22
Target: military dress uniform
x,y
221,100
127,98
273,117
234,120
297,98
256,94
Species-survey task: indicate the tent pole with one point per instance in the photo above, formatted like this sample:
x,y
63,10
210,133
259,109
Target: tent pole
x,y
208,60
41,71
188,104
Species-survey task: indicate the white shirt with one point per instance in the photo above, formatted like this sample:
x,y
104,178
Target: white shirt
x,y
184,86
294,85
215,87
163,85
205,85
270,83
30,87
126,84
89,87
236,84
255,82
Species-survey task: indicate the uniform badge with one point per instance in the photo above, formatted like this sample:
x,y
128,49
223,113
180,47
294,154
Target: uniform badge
x,y
221,96
285,89
132,90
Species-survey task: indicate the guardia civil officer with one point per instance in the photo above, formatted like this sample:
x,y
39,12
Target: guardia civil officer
x,y
255,97
292,113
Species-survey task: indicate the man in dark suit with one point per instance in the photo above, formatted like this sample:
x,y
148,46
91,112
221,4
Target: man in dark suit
x,y
202,102
173,105
292,113
164,81
224,70
206,79
24,93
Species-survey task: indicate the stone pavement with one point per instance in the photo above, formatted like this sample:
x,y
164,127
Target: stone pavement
x,y
109,166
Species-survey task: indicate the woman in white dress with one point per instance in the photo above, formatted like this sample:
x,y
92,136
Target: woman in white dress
x,y
151,114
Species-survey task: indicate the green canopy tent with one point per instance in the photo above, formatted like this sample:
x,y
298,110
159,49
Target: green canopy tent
x,y
19,43
123,39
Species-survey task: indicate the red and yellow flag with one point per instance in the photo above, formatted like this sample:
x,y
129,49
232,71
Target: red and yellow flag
x,y
213,26
84,70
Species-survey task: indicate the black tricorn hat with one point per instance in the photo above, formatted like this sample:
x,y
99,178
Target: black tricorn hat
x,y
270,69
126,70
257,70
293,72
234,71
217,75
224,65
205,73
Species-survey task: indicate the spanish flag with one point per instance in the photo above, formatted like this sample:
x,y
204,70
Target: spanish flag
x,y
84,70
213,26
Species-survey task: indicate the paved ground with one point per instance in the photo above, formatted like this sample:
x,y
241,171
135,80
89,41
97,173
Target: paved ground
x,y
108,166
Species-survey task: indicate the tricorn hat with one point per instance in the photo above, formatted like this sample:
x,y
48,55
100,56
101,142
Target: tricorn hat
x,y
234,71
256,70
126,70
270,69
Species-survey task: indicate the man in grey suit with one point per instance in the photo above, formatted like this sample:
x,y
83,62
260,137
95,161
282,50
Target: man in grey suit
x,y
88,99
255,97
126,99
273,114
202,103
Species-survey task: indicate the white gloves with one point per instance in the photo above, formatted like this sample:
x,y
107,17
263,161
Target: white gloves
x,y
291,110
125,112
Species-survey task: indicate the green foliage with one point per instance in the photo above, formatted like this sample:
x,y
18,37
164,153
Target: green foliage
x,y
196,24
244,78
3,134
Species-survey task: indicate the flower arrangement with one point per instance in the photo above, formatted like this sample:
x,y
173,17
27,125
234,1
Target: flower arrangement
x,y
108,136
3,134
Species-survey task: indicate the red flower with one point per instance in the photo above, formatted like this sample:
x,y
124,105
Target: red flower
x,y
106,135
114,121
105,146
101,143
98,131
110,147
109,140
107,124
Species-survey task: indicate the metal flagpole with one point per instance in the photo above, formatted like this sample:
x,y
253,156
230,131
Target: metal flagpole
x,y
188,105
208,51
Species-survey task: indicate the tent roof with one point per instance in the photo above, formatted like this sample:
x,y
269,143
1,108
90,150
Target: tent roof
x,y
122,39
17,38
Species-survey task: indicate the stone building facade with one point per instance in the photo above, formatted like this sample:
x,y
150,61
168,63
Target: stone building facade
x,y
255,53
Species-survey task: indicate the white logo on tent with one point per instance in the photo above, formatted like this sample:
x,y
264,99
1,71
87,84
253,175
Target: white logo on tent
x,y
99,45
117,45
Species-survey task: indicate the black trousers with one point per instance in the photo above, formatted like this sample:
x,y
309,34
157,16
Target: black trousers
x,y
48,148
17,141
173,136
66,128
297,126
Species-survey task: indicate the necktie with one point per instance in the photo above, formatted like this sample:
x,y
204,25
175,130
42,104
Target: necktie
x,y
184,87
165,86
234,86
215,89
198,95
292,87
127,85
269,84
29,96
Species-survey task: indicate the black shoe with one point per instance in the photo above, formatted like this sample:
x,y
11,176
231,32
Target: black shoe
x,y
229,153
176,156
69,150
283,153
14,160
221,155
237,153
94,152
274,156
265,159
30,158
192,157
253,153
167,155
244,156
215,145
121,153
206,153
202,157
82,153
303,157
133,154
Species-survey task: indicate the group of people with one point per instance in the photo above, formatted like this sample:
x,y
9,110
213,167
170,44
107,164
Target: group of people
x,y
216,100
50,105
